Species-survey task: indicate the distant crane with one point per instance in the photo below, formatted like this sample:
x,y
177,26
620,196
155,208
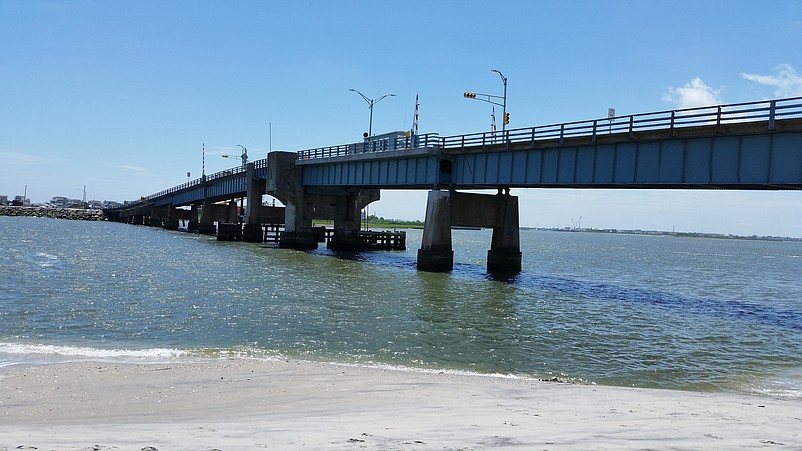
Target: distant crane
x,y
576,225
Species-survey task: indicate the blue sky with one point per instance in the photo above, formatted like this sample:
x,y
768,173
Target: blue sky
x,y
121,96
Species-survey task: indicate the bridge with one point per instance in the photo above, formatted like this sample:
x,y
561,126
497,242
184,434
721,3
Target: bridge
x,y
744,146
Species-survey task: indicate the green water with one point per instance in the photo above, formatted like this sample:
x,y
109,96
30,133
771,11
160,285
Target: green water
x,y
666,312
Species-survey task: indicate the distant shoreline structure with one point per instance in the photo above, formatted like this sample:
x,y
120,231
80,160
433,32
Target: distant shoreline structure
x,y
722,236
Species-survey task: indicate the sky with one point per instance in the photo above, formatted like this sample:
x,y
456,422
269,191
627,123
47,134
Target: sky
x,y
123,97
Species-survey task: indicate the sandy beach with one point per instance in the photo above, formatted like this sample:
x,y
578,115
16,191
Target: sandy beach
x,y
247,404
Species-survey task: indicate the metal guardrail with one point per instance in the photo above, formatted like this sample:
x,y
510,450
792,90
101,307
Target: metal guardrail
x,y
769,111
383,143
258,164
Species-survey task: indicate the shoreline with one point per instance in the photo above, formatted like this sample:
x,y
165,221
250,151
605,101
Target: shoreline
x,y
293,404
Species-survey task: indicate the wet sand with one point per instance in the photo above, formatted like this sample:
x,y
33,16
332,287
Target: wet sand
x,y
248,404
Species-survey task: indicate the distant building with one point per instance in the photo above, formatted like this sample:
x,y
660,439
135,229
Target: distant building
x,y
3,199
21,201
60,201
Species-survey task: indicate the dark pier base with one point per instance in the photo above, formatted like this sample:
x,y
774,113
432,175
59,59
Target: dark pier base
x,y
171,225
297,240
253,233
504,261
435,260
346,244
206,229
227,231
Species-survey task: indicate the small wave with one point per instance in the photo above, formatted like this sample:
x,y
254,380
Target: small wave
x,y
42,353
784,385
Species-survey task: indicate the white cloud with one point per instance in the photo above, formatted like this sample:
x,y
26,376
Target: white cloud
x,y
133,168
785,79
692,94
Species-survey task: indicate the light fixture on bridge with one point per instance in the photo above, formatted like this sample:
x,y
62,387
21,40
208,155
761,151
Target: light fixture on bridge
x,y
371,102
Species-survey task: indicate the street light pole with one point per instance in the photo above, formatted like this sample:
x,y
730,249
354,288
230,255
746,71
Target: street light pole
x,y
371,102
504,106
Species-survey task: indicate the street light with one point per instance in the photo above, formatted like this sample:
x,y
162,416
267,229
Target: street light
x,y
504,106
371,102
494,99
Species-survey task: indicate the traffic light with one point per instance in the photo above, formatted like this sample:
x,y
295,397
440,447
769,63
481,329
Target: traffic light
x,y
506,118
470,95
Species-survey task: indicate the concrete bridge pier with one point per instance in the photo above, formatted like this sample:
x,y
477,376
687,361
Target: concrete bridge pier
x,y
505,248
171,222
154,220
194,215
206,224
297,232
445,209
284,182
435,253
252,231
347,217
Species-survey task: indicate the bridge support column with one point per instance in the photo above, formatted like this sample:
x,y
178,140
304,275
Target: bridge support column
x,y
252,231
171,223
194,215
445,209
284,182
505,249
153,218
232,216
348,219
206,225
297,232
436,254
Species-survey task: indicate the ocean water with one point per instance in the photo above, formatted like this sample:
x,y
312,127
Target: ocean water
x,y
644,311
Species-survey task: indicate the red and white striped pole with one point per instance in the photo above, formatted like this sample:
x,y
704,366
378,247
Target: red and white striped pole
x,y
415,122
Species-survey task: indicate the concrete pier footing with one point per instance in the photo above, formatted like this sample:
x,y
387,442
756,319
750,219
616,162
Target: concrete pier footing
x,y
435,260
297,240
206,229
253,233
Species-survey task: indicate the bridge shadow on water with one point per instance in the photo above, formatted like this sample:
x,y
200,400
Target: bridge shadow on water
x,y
597,291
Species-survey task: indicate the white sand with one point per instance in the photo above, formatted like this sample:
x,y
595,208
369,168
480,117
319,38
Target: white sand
x,y
245,405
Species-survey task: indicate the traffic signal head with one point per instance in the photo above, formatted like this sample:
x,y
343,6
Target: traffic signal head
x,y
470,95
506,118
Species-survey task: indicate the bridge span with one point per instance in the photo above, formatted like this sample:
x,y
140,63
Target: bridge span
x,y
746,146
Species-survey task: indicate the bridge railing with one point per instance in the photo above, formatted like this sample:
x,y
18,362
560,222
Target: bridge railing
x,y
769,111
381,143
258,164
